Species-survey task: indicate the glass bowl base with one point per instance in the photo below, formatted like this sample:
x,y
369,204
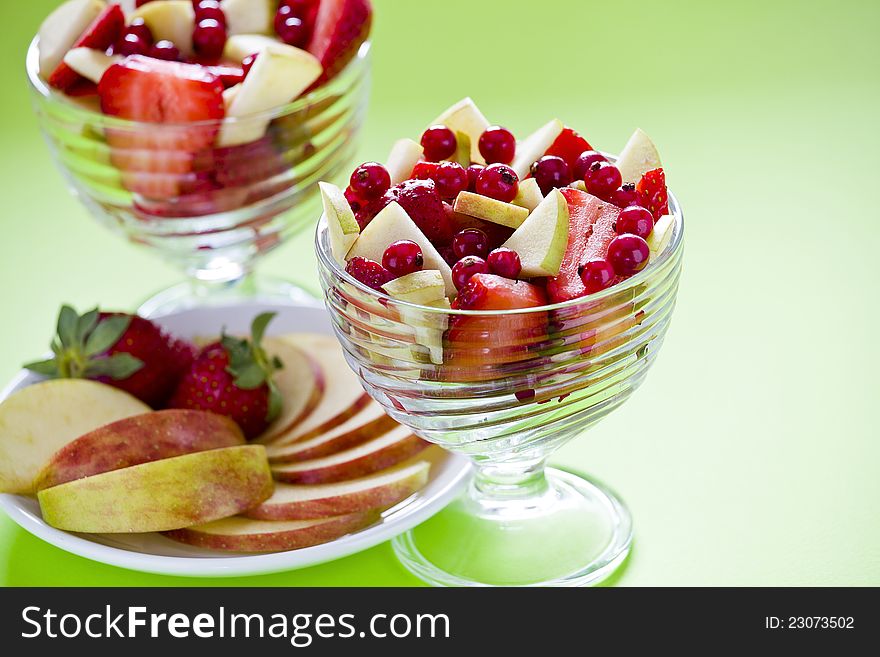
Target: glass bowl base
x,y
576,533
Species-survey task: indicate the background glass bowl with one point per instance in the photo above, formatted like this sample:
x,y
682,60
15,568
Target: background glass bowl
x,y
506,389
209,211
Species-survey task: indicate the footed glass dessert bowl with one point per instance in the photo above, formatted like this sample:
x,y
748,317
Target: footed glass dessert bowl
x,y
543,377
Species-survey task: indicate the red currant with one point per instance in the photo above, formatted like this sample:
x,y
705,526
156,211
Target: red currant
x,y
551,172
624,196
166,50
497,144
470,296
370,180
402,258
628,254
473,171
209,38
505,262
584,161
439,143
247,64
353,200
290,27
425,170
470,242
368,272
140,28
132,44
498,181
597,275
467,267
210,9
635,220
450,178
602,178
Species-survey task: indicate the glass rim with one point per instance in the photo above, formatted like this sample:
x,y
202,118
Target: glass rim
x,y
44,91
673,249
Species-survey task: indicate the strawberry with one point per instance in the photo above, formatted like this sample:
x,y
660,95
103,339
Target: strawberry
x,y
422,203
125,351
341,26
569,145
652,192
234,377
103,32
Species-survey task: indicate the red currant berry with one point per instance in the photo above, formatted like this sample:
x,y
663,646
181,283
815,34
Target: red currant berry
x,y
624,196
473,171
209,38
470,296
597,275
425,170
353,200
247,64
635,220
450,178
498,181
368,272
470,242
132,44
551,172
210,9
290,27
166,50
467,267
439,143
584,161
370,180
139,27
497,144
628,254
602,178
402,258
505,262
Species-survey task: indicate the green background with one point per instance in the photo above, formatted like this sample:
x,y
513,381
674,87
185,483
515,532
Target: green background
x,y
750,456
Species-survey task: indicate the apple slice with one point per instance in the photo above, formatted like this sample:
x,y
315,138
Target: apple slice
x,y
638,157
37,421
343,394
279,74
376,454
381,490
365,425
462,153
342,227
530,149
62,28
402,159
659,238
579,185
542,239
393,224
170,20
248,16
300,382
239,46
167,494
139,439
490,209
419,287
466,117
240,534
529,194
429,328
90,63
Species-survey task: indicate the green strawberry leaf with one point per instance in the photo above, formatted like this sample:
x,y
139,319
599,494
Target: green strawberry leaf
x,y
249,377
85,325
258,327
45,367
106,334
117,366
275,402
67,322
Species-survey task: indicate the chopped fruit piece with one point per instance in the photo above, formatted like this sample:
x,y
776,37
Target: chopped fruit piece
x,y
466,268
601,179
90,64
290,28
542,239
652,193
165,50
462,149
597,275
209,38
439,143
551,172
370,180
505,262
368,272
488,209
248,16
584,161
102,33
496,233
569,145
465,117
529,194
474,172
636,220
420,287
470,241
62,28
450,179
624,196
579,185
341,26
404,156
628,254
534,146
425,170
660,236
341,225
638,157
170,20
239,46
423,204
497,144
498,181
403,257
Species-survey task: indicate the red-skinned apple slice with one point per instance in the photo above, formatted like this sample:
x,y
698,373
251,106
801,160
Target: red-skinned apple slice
x,y
240,534
368,423
381,490
102,33
372,456
343,395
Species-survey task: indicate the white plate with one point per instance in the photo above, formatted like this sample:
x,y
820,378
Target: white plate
x,y
153,553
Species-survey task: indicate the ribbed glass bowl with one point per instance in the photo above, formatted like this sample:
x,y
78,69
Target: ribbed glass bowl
x,y
506,389
210,211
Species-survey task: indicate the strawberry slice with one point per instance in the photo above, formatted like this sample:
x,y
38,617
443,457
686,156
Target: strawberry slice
x,y
569,145
102,33
341,26
652,192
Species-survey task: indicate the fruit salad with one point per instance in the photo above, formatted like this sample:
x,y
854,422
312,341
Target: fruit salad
x,y
225,66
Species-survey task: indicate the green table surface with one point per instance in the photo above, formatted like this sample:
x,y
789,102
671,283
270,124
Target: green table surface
x,y
750,455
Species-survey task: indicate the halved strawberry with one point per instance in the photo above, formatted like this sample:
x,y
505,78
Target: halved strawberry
x,y
569,145
652,192
102,33
341,26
